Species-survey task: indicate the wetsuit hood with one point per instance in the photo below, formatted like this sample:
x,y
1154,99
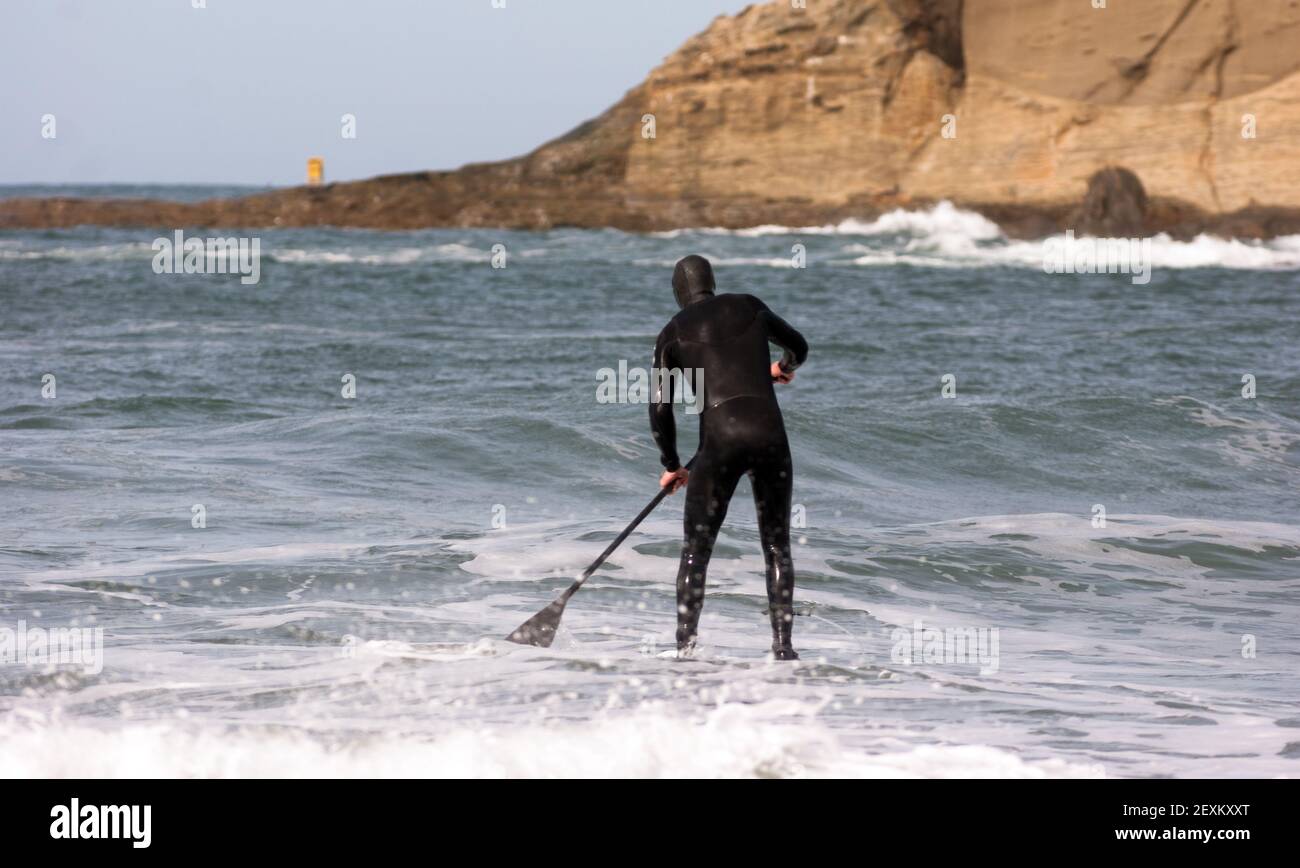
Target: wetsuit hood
x,y
693,280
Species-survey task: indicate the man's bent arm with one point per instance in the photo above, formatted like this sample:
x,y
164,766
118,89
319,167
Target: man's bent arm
x,y
662,424
786,337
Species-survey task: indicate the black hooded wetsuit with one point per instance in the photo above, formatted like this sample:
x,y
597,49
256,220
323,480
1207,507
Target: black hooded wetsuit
x,y
727,337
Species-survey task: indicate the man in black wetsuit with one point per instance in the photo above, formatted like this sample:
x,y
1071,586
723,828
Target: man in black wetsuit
x,y
741,432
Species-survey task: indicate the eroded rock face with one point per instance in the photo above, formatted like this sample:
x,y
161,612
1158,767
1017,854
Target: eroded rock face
x,y
1057,90
1039,113
825,106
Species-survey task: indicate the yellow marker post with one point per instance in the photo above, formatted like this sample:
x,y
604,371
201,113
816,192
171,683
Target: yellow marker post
x,y
315,170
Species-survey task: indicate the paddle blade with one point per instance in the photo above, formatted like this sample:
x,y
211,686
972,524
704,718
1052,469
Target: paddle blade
x,y
540,629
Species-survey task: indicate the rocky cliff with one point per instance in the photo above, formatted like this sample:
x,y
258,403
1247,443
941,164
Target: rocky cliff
x,y
1175,115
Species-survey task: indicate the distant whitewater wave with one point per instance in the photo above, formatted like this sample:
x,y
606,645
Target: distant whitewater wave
x,y
943,219
353,255
11,250
951,250
728,741
946,236
399,256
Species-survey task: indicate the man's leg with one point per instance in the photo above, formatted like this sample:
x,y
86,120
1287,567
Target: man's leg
x,y
773,481
708,494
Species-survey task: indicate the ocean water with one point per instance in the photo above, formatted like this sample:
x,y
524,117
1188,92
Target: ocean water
x,y
342,611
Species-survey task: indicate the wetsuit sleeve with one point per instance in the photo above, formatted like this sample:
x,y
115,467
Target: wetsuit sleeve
x,y
785,336
662,424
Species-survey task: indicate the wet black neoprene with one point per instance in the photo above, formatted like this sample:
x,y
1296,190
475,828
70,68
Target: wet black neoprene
x,y
727,338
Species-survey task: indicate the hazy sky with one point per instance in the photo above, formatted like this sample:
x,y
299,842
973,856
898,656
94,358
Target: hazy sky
x,y
243,91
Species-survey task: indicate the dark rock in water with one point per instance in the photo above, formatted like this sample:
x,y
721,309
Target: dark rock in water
x,y
1115,206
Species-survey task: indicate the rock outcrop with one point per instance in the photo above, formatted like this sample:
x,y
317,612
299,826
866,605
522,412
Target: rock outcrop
x,y
1116,205
1164,115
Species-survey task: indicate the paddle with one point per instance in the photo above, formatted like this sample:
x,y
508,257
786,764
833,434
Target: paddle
x,y
540,629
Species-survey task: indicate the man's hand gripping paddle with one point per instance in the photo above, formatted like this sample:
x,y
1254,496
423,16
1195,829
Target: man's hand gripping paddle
x,y
540,629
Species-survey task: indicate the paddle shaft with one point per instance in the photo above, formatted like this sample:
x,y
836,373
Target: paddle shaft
x,y
618,540
540,629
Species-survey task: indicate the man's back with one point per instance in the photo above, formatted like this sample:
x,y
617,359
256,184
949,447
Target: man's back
x,y
727,337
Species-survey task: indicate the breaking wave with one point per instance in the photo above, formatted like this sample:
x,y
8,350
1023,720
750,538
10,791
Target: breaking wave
x,y
946,236
729,741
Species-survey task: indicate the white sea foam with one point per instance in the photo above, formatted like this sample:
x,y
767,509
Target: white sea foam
x,y
400,256
348,255
731,740
1246,441
287,552
942,219
101,252
1251,535
945,236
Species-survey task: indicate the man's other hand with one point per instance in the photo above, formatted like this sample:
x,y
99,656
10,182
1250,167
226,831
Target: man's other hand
x,y
674,479
780,376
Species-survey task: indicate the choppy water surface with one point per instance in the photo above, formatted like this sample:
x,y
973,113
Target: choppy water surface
x,y
341,612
